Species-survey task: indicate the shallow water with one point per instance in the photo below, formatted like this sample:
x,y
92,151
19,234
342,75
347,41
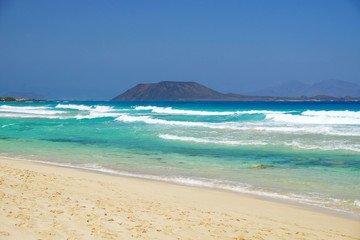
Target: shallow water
x,y
308,152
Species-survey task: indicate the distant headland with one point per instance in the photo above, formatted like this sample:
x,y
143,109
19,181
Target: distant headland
x,y
12,99
192,91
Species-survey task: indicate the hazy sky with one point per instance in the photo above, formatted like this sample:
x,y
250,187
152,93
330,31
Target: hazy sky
x,y
98,49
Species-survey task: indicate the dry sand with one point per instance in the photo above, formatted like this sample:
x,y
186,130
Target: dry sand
x,y
45,202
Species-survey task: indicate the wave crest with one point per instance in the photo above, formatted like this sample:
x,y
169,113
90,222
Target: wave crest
x,y
171,111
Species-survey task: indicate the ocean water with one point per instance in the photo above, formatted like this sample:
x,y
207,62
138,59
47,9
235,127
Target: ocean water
x,y
303,152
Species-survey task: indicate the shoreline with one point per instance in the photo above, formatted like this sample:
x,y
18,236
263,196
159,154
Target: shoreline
x,y
41,201
255,195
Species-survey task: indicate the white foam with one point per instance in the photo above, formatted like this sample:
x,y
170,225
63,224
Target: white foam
x,y
326,202
95,114
15,108
28,112
327,146
303,129
308,122
248,189
98,112
100,108
337,114
149,120
144,107
170,110
90,112
207,140
16,115
6,125
74,106
246,126
318,117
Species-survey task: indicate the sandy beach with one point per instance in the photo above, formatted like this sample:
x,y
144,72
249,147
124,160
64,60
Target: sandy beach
x,y
39,201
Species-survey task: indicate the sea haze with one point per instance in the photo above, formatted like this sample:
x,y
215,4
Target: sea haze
x,y
335,88
303,152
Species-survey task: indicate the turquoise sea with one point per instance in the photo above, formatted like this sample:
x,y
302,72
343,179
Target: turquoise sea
x,y
300,152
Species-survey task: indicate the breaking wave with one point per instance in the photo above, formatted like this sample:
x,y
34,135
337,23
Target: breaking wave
x,y
326,146
170,110
74,106
253,127
28,112
318,117
207,140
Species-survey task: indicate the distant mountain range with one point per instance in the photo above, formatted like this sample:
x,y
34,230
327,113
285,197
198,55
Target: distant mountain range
x,y
192,91
335,88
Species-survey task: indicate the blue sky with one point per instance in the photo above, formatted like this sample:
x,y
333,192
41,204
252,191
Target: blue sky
x,y
98,49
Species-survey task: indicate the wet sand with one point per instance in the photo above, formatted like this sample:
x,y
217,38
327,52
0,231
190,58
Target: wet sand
x,y
39,201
